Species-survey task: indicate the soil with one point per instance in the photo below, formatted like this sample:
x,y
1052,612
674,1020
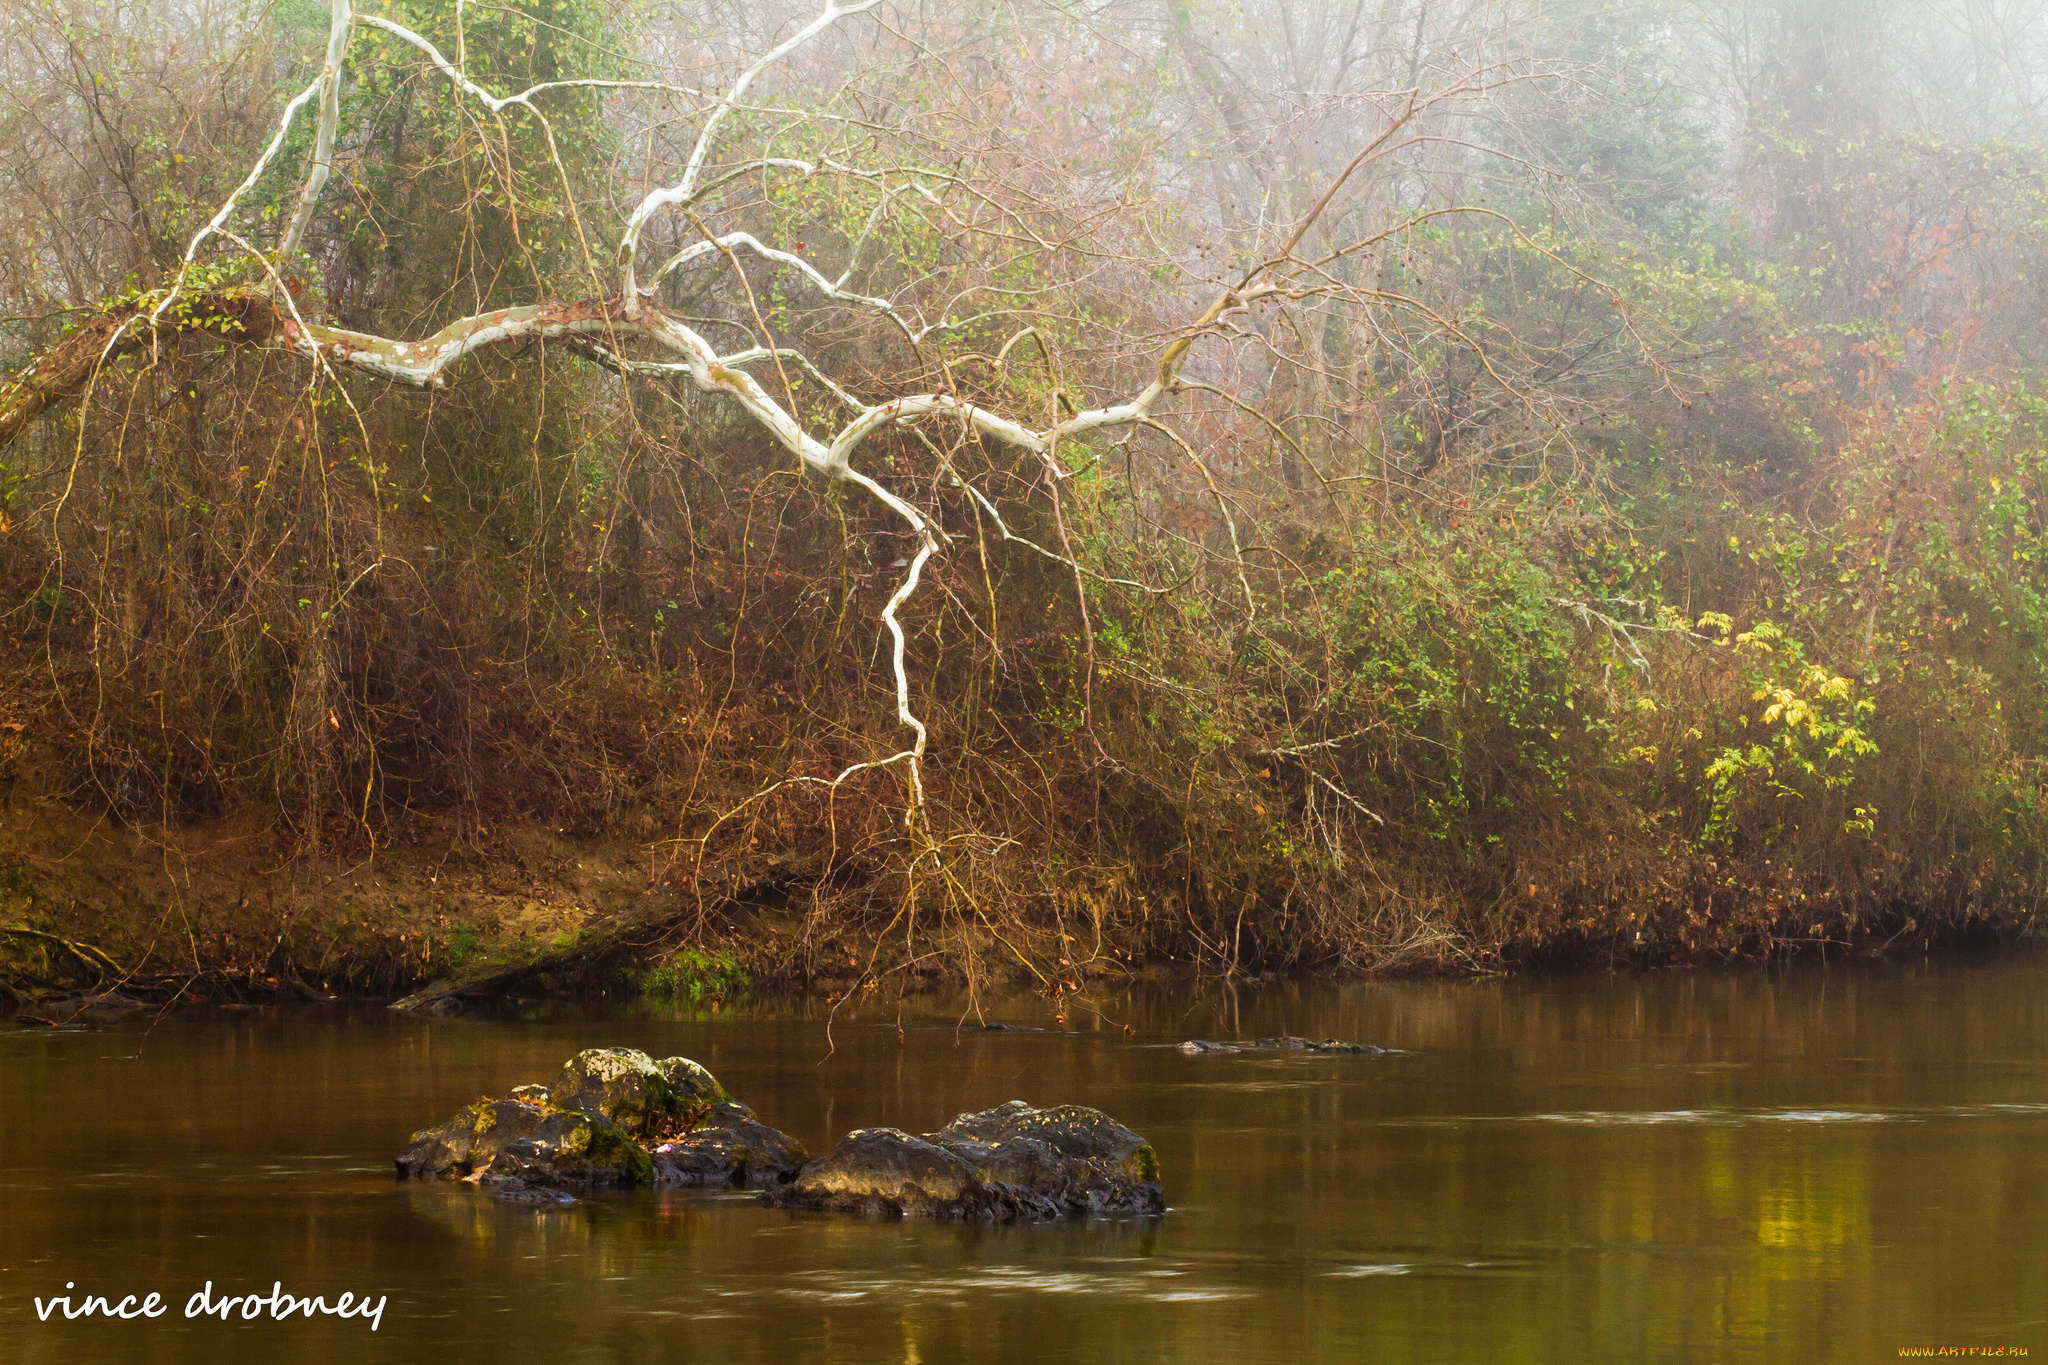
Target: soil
x,y
225,909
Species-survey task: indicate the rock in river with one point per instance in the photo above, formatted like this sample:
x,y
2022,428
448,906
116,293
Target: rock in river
x,y
731,1146
1012,1161
632,1089
499,1141
617,1117
470,1140
889,1172
593,1126
1327,1045
1195,1047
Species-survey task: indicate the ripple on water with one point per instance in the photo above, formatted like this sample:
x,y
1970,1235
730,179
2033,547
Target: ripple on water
x,y
1432,1268
1634,1118
839,1287
1721,1116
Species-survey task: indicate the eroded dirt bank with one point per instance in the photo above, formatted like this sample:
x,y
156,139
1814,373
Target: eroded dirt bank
x,y
221,911
441,917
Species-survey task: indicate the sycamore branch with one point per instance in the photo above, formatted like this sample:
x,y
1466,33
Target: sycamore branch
x,y
249,316
341,24
621,332
685,190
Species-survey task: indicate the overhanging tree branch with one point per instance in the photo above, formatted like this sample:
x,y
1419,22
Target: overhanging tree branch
x,y
632,334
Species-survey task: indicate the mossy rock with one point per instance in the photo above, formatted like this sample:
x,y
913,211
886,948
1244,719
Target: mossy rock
x,y
691,1082
1079,1157
730,1147
592,1127
622,1084
470,1140
569,1149
887,1172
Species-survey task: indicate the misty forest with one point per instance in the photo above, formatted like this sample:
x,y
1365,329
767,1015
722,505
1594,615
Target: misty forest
x,y
678,498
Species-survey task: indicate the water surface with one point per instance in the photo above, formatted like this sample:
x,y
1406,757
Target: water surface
x,y
1825,1164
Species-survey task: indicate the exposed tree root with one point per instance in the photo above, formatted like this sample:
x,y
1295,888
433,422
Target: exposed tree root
x,y
91,958
571,953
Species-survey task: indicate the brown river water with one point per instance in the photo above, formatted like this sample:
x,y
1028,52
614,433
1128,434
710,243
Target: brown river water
x,y
1822,1163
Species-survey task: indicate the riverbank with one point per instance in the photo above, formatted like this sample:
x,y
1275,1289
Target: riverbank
x,y
1557,734
222,911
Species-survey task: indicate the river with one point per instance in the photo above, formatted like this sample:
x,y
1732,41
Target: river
x,y
1820,1163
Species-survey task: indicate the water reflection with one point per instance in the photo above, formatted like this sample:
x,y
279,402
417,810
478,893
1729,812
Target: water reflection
x,y
1825,1164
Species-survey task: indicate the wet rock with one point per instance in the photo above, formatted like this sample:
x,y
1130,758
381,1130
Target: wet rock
x,y
730,1147
617,1117
889,1173
1081,1159
690,1081
1294,1044
519,1192
572,1149
1010,1162
621,1084
103,1005
470,1140
593,1127
1195,1047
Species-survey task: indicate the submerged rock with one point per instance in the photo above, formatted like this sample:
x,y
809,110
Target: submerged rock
x,y
1195,1047
1012,1161
1327,1045
518,1192
107,1002
730,1147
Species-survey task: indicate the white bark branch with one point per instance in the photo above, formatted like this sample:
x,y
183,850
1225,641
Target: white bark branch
x,y
220,218
600,326
341,23
448,68
685,189
835,289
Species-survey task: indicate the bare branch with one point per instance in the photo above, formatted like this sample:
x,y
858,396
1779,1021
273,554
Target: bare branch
x,y
684,191
340,25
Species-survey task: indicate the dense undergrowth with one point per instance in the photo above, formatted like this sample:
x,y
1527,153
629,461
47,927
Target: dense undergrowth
x,y
1658,727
